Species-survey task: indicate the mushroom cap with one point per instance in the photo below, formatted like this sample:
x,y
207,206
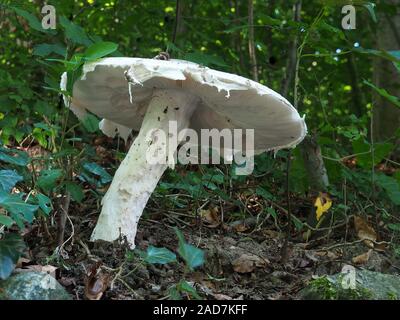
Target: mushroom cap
x,y
225,100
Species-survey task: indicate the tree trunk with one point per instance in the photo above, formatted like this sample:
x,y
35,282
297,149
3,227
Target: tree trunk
x,y
387,115
310,150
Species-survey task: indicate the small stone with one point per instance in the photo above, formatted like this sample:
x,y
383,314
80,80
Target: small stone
x,y
32,286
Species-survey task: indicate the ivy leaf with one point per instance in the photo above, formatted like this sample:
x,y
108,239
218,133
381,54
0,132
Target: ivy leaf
x,y
159,255
94,168
8,179
393,99
100,49
194,257
91,123
17,208
44,203
75,190
391,186
184,286
48,179
74,32
7,221
12,156
11,248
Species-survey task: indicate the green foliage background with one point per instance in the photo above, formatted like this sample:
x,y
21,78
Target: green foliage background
x,y
216,34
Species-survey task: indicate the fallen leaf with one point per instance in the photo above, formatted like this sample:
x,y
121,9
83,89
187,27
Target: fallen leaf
x,y
247,263
21,261
322,203
241,227
96,282
211,216
66,282
364,231
51,270
220,296
362,258
272,234
328,254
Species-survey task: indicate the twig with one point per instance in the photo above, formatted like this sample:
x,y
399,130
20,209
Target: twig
x,y
63,212
337,245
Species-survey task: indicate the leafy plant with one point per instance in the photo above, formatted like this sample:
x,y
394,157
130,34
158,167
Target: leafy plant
x,y
11,248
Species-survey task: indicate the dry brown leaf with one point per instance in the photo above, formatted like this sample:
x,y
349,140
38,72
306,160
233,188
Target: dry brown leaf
x,y
329,254
21,261
364,231
96,282
241,227
362,258
220,296
51,270
272,234
211,216
66,281
247,263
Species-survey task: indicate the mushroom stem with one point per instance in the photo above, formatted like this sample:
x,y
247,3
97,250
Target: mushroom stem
x,y
138,175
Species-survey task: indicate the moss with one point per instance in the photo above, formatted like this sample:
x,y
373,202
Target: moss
x,y
392,296
324,288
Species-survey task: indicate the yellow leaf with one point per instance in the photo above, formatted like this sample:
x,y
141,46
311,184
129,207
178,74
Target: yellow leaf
x,y
322,203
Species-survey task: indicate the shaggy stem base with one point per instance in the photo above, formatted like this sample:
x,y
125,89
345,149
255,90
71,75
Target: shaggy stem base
x,y
138,175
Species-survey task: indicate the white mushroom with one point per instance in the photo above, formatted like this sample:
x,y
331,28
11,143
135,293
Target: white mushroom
x,y
145,95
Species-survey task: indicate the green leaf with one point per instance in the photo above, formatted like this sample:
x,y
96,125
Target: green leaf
x,y
45,49
74,32
397,66
264,193
297,223
7,221
100,49
34,22
11,248
12,156
91,123
48,179
194,257
8,179
394,226
159,255
364,155
393,55
94,168
184,286
174,293
371,9
391,186
75,190
44,203
17,207
384,93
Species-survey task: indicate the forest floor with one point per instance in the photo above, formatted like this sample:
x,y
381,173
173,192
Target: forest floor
x,y
244,259
250,264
